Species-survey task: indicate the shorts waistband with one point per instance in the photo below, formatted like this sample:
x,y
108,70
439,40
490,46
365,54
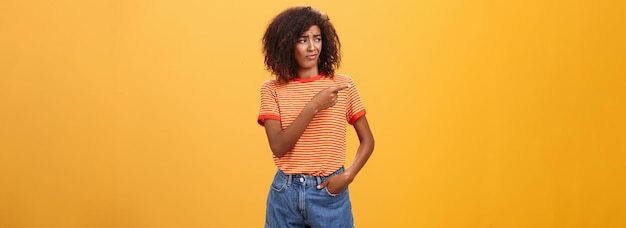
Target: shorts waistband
x,y
306,180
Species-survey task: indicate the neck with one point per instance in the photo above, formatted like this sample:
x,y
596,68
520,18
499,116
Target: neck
x,y
308,73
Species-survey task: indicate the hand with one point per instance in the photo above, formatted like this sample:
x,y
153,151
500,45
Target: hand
x,y
327,97
337,183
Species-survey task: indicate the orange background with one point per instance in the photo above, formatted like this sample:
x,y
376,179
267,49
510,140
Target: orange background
x,y
142,113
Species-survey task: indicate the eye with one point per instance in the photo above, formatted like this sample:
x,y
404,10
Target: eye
x,y
317,39
301,41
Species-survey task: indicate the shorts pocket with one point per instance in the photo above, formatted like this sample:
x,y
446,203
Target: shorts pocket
x,y
279,183
334,194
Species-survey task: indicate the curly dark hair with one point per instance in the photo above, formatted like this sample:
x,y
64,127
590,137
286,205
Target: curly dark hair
x,y
283,33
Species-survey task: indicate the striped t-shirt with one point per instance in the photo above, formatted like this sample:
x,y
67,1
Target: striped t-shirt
x,y
321,149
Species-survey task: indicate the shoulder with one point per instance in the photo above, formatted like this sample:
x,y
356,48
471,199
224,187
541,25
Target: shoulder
x,y
270,83
342,78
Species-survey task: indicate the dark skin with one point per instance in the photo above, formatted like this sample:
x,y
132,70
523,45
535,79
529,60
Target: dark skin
x,y
282,140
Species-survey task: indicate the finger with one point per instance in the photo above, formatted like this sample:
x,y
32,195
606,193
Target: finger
x,y
322,185
341,87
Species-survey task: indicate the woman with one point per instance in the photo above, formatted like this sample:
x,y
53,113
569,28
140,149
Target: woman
x,y
304,112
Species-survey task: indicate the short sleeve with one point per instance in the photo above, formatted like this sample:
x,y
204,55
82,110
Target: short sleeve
x,y
269,103
355,109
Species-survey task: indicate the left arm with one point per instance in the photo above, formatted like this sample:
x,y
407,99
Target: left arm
x,y
339,182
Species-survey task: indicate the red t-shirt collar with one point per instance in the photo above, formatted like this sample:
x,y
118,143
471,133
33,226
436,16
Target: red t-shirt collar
x,y
311,79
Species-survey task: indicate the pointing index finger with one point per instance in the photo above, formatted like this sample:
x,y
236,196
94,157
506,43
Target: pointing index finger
x,y
341,87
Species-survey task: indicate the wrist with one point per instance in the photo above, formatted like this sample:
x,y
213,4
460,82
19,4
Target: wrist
x,y
311,109
349,175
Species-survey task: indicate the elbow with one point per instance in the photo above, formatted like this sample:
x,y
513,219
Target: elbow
x,y
369,143
278,154
278,151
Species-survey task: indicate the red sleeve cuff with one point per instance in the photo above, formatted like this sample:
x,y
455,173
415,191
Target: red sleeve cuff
x,y
356,116
262,118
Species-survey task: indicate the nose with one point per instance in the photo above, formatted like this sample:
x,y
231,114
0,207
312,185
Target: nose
x,y
310,46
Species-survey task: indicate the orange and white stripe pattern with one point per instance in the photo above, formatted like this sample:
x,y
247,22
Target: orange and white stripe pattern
x,y
321,149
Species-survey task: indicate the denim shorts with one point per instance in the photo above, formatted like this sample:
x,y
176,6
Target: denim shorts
x,y
295,201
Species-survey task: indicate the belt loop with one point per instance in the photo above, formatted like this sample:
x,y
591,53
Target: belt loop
x,y
289,177
319,180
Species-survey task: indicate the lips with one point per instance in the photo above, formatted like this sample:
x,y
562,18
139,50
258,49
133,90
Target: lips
x,y
311,57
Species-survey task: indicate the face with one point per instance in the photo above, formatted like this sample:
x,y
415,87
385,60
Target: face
x,y
308,48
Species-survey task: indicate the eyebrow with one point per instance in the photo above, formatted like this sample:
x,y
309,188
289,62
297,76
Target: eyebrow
x,y
314,35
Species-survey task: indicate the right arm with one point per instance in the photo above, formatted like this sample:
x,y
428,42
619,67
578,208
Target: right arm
x,y
281,140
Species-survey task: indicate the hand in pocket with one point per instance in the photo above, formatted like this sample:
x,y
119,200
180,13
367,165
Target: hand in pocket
x,y
336,184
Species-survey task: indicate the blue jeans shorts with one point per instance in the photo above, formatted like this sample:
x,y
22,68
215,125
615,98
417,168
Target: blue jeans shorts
x,y
295,201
